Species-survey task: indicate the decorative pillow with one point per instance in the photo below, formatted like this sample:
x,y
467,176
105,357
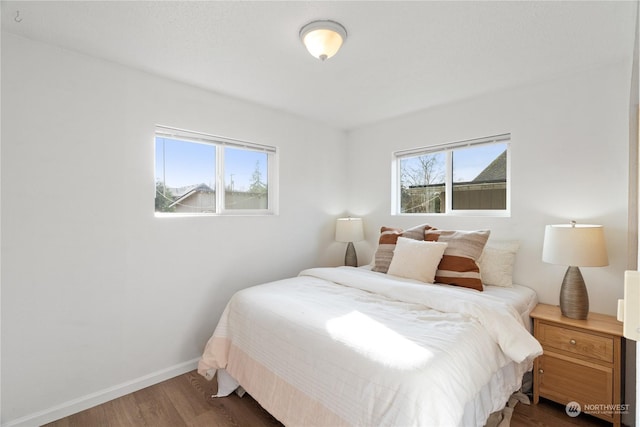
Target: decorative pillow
x,y
496,262
458,265
416,259
387,243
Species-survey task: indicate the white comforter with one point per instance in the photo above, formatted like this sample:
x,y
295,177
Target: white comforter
x,y
345,346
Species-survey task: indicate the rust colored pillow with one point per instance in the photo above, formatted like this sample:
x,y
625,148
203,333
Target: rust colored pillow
x,y
387,244
459,265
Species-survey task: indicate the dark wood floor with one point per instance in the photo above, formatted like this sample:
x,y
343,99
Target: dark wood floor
x,y
186,401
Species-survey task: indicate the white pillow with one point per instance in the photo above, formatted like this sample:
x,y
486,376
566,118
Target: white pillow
x,y
496,263
416,259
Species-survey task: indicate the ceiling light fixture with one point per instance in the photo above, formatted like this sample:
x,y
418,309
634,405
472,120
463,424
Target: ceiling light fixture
x,y
323,38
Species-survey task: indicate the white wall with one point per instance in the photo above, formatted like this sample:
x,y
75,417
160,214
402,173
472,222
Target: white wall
x,y
98,296
569,159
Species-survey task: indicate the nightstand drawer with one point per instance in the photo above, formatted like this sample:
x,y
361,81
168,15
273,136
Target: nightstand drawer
x,y
563,379
581,343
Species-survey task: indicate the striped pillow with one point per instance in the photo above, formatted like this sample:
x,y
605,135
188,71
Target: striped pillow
x,y
387,244
459,263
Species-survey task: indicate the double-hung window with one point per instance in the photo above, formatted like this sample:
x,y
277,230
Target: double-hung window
x,y
463,178
201,174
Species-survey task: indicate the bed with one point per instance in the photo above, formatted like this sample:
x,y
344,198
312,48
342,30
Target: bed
x,y
354,346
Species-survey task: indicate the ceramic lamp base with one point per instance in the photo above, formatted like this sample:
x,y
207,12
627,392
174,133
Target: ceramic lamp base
x,y
350,258
574,300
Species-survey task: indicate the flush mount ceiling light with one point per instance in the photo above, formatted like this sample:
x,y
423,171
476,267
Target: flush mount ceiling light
x,y
323,38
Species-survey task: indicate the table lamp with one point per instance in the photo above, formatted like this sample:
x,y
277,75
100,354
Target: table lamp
x,y
574,245
349,230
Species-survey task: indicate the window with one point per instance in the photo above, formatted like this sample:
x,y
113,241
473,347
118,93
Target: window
x,y
197,173
468,177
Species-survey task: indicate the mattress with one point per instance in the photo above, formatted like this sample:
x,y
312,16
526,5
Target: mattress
x,y
351,347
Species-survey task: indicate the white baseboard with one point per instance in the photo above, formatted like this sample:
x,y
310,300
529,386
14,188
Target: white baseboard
x,y
89,401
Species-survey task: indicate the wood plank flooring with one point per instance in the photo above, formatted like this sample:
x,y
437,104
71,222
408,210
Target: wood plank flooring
x,y
186,401
551,414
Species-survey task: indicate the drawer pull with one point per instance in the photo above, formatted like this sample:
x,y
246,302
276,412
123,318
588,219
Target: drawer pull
x,y
541,371
572,341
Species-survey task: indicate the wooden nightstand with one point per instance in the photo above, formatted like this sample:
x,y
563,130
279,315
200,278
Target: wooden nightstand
x,y
582,361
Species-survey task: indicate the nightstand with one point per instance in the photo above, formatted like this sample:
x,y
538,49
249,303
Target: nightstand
x,y
581,361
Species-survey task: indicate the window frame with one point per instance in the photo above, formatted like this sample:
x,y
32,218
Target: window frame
x,y
448,149
220,143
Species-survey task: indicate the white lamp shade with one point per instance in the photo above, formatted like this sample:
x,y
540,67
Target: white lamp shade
x,y
349,230
577,245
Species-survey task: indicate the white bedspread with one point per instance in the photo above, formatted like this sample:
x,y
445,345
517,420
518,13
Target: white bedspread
x,y
345,346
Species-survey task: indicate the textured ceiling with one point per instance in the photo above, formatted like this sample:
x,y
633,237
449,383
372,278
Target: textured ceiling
x,y
399,56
